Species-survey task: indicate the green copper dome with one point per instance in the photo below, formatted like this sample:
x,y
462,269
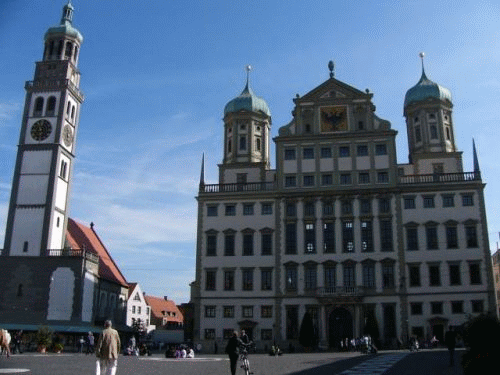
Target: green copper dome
x,y
65,27
247,101
426,89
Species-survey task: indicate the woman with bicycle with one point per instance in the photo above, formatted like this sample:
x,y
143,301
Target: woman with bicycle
x,y
233,351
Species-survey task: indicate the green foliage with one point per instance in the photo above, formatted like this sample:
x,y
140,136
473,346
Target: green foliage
x,y
139,328
44,336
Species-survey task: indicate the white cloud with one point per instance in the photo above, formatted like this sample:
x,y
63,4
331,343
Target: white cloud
x,y
7,111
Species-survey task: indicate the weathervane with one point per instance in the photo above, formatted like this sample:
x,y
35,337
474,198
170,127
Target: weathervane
x,y
422,55
248,68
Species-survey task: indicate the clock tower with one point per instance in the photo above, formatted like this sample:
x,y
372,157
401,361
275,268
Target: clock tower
x,y
38,210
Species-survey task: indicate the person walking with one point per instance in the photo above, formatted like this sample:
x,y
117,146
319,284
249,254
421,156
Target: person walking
x,y
107,350
450,341
233,351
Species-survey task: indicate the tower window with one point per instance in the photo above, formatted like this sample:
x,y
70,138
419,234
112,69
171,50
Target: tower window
x,y
67,52
243,142
73,112
38,106
448,134
64,168
20,290
418,134
25,247
51,106
258,144
434,133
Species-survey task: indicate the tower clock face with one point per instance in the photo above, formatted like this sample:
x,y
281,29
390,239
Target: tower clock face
x,y
67,136
41,130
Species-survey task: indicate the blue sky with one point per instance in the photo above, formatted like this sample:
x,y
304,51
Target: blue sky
x,y
157,74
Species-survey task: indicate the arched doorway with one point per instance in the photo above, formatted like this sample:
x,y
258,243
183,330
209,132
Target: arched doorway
x,y
340,326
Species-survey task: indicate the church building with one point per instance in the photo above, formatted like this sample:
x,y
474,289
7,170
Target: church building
x,y
340,230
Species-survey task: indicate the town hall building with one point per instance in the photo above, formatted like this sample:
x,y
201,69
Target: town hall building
x,y
340,229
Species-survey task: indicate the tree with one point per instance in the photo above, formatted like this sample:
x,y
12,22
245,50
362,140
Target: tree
x,y
308,336
139,328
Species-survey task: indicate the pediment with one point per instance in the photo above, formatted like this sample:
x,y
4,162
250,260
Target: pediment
x,y
334,89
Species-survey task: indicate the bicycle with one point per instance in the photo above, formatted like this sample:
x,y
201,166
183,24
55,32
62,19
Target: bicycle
x,y
244,360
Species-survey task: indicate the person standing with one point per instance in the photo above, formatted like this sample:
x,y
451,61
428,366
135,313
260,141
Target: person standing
x,y
450,341
90,343
107,350
233,351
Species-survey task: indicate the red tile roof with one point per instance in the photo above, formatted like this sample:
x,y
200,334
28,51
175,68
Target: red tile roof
x,y
131,288
79,236
159,305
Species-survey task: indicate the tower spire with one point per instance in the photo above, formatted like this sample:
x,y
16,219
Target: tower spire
x,y
422,55
202,174
476,160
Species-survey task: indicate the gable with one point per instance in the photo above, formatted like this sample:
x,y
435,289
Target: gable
x,y
334,89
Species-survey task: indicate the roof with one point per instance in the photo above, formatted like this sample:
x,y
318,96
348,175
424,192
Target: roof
x,y
131,289
247,101
159,305
79,236
65,27
426,89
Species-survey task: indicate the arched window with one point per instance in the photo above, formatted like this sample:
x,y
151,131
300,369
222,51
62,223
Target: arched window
x,y
68,108
51,106
67,52
60,49
51,48
75,55
73,112
37,111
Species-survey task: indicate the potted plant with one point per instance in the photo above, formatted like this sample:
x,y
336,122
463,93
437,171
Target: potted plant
x,y
58,347
43,338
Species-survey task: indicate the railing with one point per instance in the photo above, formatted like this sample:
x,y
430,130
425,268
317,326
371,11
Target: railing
x,y
80,253
57,84
238,187
340,291
440,177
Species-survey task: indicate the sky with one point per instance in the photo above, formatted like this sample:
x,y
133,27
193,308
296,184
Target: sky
x,y
157,74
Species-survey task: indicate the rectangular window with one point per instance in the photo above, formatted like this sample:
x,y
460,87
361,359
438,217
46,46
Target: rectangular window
x,y
471,236
330,276
211,244
432,238
291,238
230,210
209,334
345,179
243,142
248,209
474,274
384,205
228,280
416,308
467,199
428,201
291,210
386,235
381,149
310,238
210,280
388,279
267,209
457,307
414,273
290,154
346,207
308,153
209,311
409,203
454,272
211,210
266,334
364,178
267,244
291,278
329,237
412,238
290,181
229,244
227,333
437,308
326,179
382,177
309,209
365,206
477,306
247,279
326,152
369,275
347,237
344,151
247,311
228,311
349,275
434,275
366,236
448,200
328,208
310,275
248,244
266,311
308,180
362,150
266,281
451,237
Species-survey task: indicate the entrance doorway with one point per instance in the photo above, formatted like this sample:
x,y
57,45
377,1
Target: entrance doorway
x,y
340,327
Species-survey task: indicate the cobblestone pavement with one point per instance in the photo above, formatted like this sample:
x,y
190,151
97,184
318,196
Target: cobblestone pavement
x,y
288,364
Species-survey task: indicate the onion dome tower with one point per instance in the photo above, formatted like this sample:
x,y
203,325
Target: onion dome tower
x,y
247,126
428,112
39,203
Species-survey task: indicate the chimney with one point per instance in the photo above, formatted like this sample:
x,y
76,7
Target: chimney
x,y
165,298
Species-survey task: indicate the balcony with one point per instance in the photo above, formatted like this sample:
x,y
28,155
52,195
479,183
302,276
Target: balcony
x,y
238,187
80,253
441,178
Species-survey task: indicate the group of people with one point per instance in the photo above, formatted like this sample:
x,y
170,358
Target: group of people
x,y
363,344
182,352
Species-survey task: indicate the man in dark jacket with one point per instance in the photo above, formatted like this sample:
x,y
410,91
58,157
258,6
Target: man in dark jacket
x,y
450,341
233,351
